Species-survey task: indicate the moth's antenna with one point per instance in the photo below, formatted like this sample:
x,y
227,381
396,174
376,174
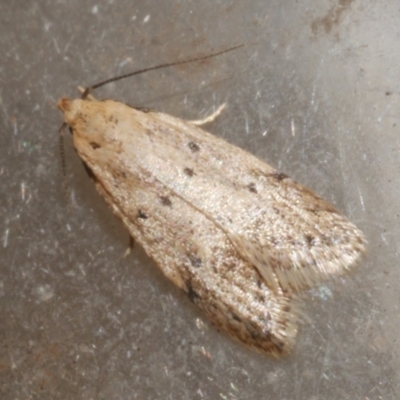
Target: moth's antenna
x,y
140,71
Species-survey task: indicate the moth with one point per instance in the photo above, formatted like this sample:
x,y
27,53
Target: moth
x,y
240,238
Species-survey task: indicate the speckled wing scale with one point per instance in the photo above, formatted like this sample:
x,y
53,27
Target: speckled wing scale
x,y
240,238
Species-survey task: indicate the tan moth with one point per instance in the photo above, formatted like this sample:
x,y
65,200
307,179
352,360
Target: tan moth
x,y
240,238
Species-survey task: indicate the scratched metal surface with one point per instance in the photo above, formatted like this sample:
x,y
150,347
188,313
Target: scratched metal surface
x,y
315,92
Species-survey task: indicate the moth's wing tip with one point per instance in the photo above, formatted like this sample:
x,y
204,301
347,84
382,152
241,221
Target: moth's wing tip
x,y
300,270
280,341
323,268
292,310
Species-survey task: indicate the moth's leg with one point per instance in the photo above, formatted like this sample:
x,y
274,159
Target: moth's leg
x,y
210,118
130,247
89,96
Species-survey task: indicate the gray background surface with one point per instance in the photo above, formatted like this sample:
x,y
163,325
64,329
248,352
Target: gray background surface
x,y
315,92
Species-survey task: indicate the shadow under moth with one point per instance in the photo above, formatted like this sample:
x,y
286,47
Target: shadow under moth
x,y
240,238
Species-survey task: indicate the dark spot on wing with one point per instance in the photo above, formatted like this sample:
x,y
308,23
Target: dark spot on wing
x,y
145,110
279,176
94,145
194,260
235,317
165,201
194,147
318,205
279,346
286,309
261,298
309,239
252,187
277,211
113,119
255,336
188,172
118,175
141,214
193,295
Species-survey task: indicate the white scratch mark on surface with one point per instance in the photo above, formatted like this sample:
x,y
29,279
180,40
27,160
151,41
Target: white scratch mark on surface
x,y
205,353
5,237
146,19
199,323
383,237
361,198
66,47
313,95
23,191
13,365
56,45
15,126
82,270
124,62
4,110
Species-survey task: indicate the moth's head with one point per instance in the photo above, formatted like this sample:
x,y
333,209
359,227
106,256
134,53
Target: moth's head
x,y
83,119
69,109
91,125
